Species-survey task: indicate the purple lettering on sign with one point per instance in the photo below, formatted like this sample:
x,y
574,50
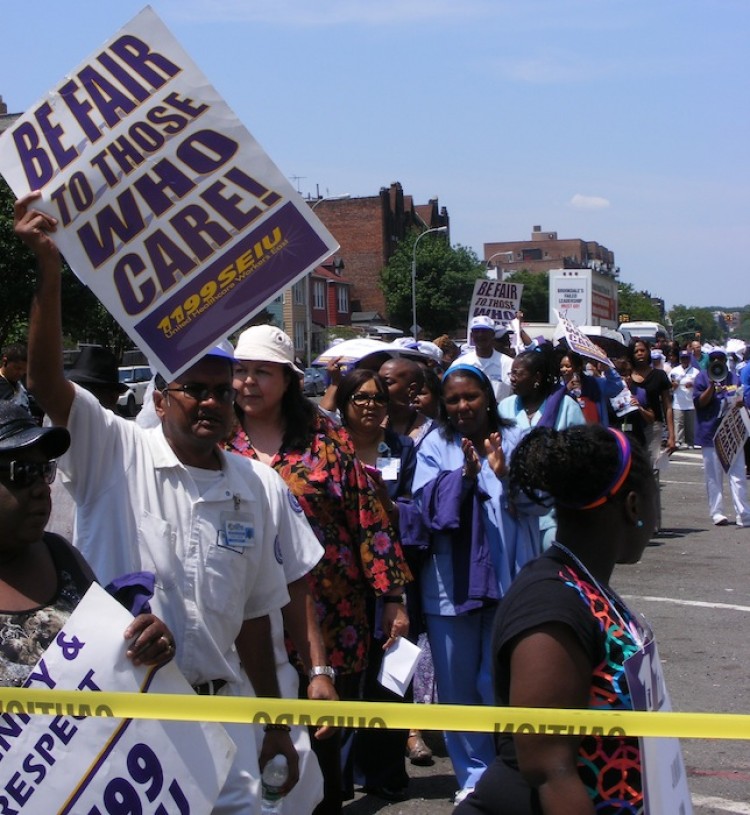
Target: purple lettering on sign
x,y
254,270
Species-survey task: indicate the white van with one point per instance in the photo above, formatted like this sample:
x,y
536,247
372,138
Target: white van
x,y
645,330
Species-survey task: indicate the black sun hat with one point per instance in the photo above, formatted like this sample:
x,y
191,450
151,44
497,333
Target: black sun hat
x,y
96,366
19,431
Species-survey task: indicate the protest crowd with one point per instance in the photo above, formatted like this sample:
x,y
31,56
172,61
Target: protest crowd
x,y
440,527
445,500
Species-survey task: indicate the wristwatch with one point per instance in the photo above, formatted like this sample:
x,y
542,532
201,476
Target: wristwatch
x,y
322,670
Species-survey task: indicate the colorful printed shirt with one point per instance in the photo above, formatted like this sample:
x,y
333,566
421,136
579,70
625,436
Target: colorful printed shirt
x,y
362,552
553,589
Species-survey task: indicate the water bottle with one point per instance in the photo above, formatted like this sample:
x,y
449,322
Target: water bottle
x,y
273,778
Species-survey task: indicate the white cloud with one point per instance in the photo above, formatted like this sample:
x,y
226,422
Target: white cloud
x,y
579,201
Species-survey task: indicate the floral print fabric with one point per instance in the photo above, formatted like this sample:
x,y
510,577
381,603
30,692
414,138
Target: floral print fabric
x,y
362,553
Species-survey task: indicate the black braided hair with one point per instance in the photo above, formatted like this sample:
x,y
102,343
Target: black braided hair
x,y
542,360
574,466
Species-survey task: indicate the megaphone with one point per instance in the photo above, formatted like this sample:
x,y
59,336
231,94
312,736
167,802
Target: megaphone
x,y
717,370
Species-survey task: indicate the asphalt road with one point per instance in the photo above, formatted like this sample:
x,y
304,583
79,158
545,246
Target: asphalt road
x,y
693,585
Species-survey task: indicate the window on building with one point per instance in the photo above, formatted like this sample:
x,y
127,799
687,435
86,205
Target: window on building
x,y
319,294
299,335
342,299
532,254
299,292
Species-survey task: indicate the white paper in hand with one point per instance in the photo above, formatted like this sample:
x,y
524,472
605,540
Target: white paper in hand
x,y
399,664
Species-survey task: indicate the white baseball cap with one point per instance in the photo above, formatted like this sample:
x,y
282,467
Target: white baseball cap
x,y
482,321
223,349
431,350
266,343
501,331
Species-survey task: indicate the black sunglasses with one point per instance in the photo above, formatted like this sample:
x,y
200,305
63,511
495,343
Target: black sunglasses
x,y
201,393
360,399
20,474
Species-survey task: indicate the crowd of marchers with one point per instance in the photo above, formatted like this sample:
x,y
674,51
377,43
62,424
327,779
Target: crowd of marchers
x,y
473,498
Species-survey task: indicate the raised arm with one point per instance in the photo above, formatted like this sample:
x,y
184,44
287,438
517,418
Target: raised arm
x,y
45,374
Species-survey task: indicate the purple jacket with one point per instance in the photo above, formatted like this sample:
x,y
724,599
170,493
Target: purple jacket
x,y
708,418
452,504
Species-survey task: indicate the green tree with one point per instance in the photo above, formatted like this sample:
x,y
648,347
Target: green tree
x,y
444,284
742,328
535,296
16,274
687,322
84,318
636,305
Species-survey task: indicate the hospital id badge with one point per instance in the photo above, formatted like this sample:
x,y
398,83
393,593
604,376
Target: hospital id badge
x,y
236,531
389,468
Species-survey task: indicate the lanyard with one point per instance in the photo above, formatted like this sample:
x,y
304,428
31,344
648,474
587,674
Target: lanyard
x,y
615,601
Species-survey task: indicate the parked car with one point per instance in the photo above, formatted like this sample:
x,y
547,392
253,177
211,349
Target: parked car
x,y
314,383
136,377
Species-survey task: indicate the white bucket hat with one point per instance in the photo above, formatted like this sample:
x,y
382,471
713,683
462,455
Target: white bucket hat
x,y
266,343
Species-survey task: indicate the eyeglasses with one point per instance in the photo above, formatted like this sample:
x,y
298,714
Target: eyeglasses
x,y
360,399
20,474
201,393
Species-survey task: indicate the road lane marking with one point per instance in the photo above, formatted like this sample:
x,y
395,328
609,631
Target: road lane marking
x,y
678,602
721,803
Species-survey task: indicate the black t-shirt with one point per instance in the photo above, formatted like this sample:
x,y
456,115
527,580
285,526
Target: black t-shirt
x,y
655,383
7,391
552,589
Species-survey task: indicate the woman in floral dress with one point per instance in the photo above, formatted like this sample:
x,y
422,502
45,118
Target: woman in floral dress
x,y
363,557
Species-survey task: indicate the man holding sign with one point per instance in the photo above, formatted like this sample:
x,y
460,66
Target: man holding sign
x,y
714,392
167,500
166,206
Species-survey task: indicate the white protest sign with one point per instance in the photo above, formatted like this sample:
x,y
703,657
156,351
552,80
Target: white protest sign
x,y
570,296
665,787
580,343
496,300
96,765
167,208
730,436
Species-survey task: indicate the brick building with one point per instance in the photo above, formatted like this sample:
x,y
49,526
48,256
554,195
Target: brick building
x,y
6,119
319,301
546,251
368,230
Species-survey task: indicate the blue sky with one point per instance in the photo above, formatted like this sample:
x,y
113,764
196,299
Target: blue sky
x,y
625,123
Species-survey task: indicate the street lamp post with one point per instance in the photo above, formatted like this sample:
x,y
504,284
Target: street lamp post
x,y
688,325
497,269
308,305
414,329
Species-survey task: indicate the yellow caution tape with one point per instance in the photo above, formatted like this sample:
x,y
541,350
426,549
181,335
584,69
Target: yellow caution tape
x,y
374,714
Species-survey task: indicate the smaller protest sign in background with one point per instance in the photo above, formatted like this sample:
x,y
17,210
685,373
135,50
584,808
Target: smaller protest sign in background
x,y
581,344
496,300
